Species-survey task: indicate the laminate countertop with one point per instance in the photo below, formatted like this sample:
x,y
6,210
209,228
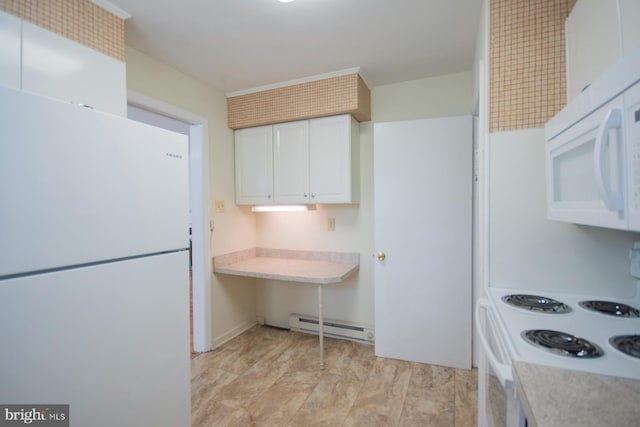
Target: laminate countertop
x,y
554,397
290,265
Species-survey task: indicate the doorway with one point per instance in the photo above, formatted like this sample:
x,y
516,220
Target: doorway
x,y
161,114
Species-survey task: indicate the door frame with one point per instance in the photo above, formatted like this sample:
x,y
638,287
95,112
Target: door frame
x,y
199,203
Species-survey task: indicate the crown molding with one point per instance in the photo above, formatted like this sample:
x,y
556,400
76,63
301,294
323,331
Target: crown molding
x,y
355,70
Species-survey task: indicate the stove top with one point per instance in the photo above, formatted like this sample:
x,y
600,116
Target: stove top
x,y
567,333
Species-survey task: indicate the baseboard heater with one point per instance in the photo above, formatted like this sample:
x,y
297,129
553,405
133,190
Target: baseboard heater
x,y
332,328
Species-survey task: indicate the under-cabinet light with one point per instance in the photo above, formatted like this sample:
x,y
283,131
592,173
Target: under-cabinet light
x,y
282,208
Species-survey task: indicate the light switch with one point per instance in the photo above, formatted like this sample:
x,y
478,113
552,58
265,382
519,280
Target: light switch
x,y
219,206
331,224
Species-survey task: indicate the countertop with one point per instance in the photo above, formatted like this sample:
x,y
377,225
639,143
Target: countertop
x,y
290,265
560,397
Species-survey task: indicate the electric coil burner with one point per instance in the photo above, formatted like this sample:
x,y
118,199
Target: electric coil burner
x,y
611,308
628,344
562,343
536,303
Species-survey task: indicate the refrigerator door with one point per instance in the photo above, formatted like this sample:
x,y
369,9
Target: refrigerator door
x,y
80,186
111,340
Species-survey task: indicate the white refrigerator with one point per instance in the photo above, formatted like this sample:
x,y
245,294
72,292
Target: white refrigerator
x,y
94,270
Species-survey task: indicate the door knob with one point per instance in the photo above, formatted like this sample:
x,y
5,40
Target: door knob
x,y
381,256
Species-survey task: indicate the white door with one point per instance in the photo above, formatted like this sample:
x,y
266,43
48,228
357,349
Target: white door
x,y
422,217
111,340
78,194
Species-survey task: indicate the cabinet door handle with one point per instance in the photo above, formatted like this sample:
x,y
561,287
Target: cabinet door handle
x,y
268,196
313,195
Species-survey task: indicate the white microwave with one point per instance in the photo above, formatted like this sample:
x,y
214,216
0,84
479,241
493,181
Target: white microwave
x,y
593,152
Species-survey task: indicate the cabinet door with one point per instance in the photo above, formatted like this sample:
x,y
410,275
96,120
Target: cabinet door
x,y
593,40
629,17
9,51
60,68
254,165
291,162
333,154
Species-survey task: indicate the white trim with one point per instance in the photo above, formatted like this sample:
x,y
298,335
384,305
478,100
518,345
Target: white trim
x,y
110,7
315,78
199,194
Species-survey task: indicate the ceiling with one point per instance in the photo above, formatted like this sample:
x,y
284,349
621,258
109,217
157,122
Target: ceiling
x,y
236,45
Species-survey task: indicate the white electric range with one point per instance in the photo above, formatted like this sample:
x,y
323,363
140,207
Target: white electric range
x,y
503,330
577,325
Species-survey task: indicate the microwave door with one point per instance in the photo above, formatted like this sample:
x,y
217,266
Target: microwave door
x,y
585,166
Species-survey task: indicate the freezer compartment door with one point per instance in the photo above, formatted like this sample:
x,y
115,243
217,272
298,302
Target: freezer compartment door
x,y
112,341
80,186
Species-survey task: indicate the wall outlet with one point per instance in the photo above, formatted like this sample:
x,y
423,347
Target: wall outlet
x,y
219,206
331,224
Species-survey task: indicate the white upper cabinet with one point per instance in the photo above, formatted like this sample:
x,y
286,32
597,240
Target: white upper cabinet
x,y
314,161
334,159
291,162
9,50
60,68
254,165
629,16
598,33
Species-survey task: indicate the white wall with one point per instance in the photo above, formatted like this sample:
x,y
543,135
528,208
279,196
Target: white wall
x,y
441,96
232,298
529,252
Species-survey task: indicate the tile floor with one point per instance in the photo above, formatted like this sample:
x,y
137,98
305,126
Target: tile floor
x,y
271,377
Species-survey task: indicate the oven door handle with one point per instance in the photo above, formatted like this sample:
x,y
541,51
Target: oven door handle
x,y
502,370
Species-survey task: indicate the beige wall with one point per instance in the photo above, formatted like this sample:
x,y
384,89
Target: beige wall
x,y
352,300
233,299
441,96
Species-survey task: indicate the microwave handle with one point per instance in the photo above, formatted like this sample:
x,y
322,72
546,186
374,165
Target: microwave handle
x,y
614,201
503,371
